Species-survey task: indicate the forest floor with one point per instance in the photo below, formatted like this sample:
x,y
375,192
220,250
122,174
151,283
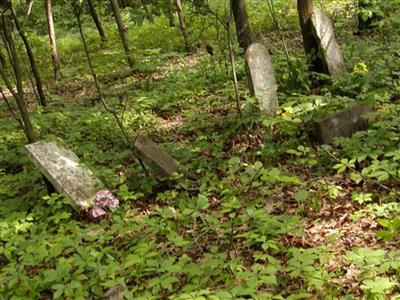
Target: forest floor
x,y
269,212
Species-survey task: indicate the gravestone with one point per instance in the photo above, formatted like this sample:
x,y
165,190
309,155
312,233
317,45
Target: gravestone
x,y
163,164
261,78
329,48
64,171
115,293
343,123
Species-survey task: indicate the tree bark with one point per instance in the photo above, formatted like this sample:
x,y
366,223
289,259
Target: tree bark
x,y
242,24
182,24
52,37
310,42
19,94
122,30
96,20
35,71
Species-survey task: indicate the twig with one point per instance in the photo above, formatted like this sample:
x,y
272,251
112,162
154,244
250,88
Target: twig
x,y
28,71
273,15
100,93
232,60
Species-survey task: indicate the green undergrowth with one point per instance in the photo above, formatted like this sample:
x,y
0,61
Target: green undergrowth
x,y
266,213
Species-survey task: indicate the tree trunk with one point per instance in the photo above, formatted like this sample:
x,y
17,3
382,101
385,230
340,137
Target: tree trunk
x,y
35,71
242,24
52,37
122,30
96,20
171,20
182,24
310,42
19,94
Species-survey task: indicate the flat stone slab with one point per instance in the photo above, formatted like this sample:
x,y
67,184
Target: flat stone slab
x,y
343,123
261,78
323,30
64,171
163,164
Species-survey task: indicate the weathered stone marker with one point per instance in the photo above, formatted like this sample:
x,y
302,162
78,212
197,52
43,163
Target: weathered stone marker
x,y
323,31
115,293
343,123
261,78
163,164
63,169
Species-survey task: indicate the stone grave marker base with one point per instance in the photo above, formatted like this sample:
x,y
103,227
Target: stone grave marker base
x,y
163,164
343,123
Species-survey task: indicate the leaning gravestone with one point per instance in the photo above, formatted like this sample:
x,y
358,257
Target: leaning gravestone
x,y
343,123
64,171
261,77
323,31
163,164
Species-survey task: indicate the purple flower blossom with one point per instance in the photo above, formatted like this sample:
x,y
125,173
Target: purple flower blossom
x,y
104,199
96,213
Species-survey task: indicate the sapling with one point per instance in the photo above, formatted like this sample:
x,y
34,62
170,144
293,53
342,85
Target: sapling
x,y
77,9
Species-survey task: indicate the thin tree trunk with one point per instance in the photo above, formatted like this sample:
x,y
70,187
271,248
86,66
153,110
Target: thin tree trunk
x,y
96,20
171,20
11,110
171,12
52,37
31,79
234,76
118,119
35,71
242,24
19,94
89,60
122,30
310,43
182,24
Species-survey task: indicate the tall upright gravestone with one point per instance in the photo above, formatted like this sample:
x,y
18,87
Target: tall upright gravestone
x,y
329,49
261,78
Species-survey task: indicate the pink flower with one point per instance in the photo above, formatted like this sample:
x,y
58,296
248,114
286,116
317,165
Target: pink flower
x,y
96,213
104,198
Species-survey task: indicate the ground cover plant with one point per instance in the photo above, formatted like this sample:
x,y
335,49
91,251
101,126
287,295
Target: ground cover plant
x,y
261,210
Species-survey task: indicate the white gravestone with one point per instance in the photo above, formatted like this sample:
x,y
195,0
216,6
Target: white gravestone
x,y
63,169
261,78
323,30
